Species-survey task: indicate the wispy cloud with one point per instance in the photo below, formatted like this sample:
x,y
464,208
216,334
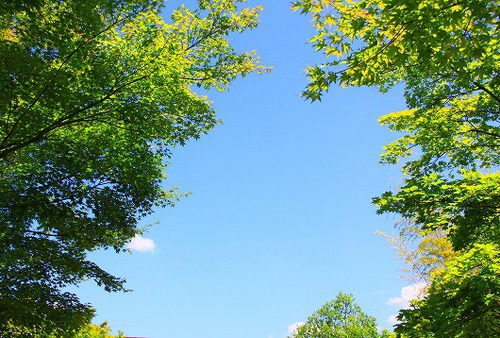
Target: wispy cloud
x,y
141,244
408,293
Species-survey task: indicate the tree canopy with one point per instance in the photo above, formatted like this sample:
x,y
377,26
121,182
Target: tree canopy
x,y
341,318
88,330
93,96
446,56
440,50
462,301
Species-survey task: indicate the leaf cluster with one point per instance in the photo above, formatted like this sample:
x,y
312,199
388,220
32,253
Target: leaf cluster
x,y
439,49
86,331
467,208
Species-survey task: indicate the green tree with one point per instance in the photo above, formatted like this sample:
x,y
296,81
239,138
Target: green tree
x,y
339,318
448,187
93,96
462,301
97,331
88,330
446,56
439,49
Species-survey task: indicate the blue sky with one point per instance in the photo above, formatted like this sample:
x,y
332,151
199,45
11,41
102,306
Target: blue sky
x,y
280,217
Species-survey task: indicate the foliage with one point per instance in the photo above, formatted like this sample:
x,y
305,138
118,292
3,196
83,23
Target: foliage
x,y
447,186
97,331
463,300
35,311
439,49
88,330
468,207
341,317
446,56
93,96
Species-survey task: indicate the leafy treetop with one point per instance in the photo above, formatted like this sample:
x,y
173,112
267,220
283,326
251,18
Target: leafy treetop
x,y
462,301
93,96
341,318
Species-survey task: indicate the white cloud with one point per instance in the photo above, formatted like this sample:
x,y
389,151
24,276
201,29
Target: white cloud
x,y
293,327
393,320
141,244
408,293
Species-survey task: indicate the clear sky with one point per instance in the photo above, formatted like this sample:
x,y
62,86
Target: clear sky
x,y
280,217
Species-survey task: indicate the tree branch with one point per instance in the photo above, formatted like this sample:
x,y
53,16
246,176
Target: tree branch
x,y
65,120
56,74
487,91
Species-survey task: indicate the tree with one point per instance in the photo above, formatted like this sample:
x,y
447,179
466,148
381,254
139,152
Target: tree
x,y
86,331
341,317
462,301
445,54
97,331
93,96
449,187
423,252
